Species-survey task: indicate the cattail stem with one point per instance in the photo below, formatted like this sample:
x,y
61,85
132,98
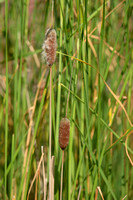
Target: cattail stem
x,y
44,179
69,93
67,101
52,12
61,184
50,130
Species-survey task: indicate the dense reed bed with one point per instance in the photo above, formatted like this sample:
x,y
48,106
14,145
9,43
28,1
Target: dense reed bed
x,y
83,90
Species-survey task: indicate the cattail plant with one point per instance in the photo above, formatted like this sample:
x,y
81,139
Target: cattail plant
x,y
64,131
49,54
49,47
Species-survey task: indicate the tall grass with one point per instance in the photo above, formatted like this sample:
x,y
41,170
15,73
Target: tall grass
x,y
94,64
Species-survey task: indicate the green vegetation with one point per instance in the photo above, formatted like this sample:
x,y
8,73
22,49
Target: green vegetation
x,y
94,62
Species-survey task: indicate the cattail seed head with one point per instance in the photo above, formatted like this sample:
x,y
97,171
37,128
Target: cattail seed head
x,y
49,47
64,133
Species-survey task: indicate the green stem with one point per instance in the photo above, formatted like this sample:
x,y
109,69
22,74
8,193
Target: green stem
x,y
6,121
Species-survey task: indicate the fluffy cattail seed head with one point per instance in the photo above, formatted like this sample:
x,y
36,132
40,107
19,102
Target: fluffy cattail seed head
x,y
64,133
49,47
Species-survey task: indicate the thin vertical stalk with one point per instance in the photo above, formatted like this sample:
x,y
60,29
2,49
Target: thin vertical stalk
x,y
70,48
58,97
129,112
24,39
16,80
69,93
81,117
99,80
129,95
52,178
12,167
59,80
19,80
50,132
61,185
44,179
6,121
87,97
70,152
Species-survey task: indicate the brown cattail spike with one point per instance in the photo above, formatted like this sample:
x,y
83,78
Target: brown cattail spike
x,y
64,133
49,47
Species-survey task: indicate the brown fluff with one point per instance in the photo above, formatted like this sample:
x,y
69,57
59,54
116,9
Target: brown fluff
x,y
64,133
49,47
